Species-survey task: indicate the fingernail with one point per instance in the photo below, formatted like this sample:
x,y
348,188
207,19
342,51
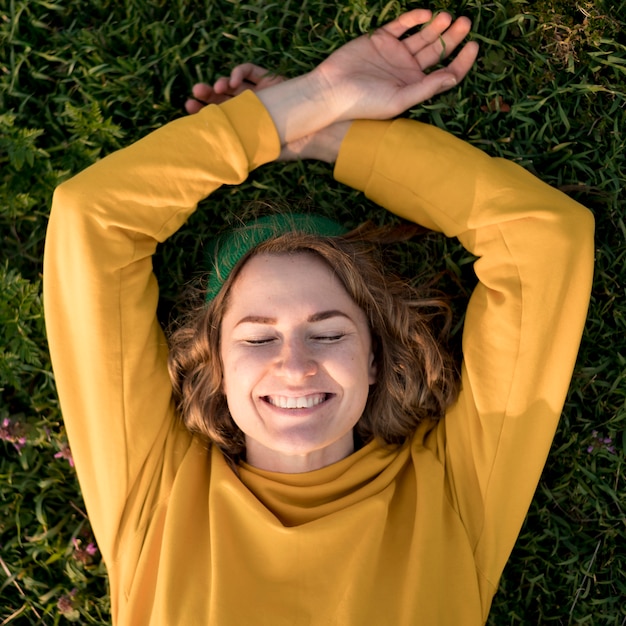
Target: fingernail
x,y
449,82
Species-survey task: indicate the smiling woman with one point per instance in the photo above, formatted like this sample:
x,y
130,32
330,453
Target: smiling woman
x,y
325,469
296,375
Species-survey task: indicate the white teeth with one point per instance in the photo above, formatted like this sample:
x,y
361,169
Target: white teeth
x,y
304,402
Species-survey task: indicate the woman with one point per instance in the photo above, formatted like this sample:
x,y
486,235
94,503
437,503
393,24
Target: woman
x,y
311,528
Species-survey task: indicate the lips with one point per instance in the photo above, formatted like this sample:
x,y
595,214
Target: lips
x,y
299,402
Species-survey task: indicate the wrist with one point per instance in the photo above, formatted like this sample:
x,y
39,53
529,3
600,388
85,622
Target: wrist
x,y
297,107
322,146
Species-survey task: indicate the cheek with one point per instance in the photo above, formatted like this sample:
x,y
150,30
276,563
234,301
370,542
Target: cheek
x,y
229,377
354,370
237,393
239,374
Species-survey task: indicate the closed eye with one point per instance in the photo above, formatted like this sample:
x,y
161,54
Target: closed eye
x,y
329,338
258,342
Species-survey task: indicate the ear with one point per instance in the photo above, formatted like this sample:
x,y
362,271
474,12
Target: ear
x,y
372,370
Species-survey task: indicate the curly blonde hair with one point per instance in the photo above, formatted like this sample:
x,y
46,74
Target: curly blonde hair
x,y
416,375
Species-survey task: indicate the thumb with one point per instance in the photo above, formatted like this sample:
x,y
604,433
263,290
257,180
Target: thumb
x,y
431,85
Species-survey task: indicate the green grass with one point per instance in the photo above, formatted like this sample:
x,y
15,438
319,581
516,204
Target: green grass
x,y
80,79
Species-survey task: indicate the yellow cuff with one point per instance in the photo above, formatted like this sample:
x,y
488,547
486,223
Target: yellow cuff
x,y
357,154
259,139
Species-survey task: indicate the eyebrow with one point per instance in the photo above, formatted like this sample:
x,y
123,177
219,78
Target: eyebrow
x,y
315,317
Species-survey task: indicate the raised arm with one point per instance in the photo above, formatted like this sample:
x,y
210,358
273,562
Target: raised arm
x,y
524,321
108,351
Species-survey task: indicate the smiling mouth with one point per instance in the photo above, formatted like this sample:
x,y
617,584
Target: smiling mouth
x,y
302,402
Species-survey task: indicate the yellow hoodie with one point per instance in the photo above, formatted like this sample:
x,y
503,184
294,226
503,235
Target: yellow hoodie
x,y
392,535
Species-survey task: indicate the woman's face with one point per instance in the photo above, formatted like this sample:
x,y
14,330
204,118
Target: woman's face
x,y
297,361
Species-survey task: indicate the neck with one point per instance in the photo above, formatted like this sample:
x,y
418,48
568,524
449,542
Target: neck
x,y
270,460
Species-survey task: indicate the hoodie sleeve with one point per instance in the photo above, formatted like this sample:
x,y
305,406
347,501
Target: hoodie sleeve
x,y
524,320
108,351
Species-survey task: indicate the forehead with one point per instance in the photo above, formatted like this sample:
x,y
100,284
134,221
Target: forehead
x,y
300,281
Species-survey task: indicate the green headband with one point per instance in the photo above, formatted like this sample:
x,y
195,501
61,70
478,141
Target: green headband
x,y
227,250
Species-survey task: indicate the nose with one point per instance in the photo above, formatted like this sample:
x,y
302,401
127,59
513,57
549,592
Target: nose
x,y
295,360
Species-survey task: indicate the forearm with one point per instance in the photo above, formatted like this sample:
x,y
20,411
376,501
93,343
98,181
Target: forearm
x,y
427,175
298,107
376,76
151,187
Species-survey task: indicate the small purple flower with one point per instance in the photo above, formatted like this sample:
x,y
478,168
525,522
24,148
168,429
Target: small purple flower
x,y
66,607
65,453
13,432
83,555
598,442
65,604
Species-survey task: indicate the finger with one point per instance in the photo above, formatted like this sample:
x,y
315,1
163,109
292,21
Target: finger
x,y
428,35
406,21
193,106
443,79
205,94
463,62
246,72
448,77
202,91
222,85
445,44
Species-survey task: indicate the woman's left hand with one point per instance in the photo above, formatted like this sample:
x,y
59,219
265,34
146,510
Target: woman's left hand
x,y
381,75
375,76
